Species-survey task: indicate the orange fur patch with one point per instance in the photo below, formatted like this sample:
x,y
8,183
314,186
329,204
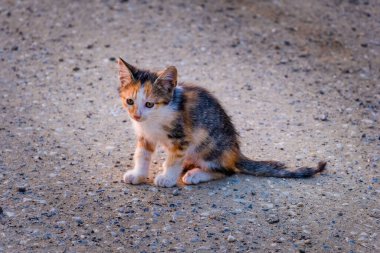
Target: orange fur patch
x,y
143,143
191,97
129,91
148,88
199,135
229,159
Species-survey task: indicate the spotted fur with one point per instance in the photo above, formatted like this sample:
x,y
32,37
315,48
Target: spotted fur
x,y
192,126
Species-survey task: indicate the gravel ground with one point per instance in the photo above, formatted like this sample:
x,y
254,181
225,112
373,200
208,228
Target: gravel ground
x,y
300,80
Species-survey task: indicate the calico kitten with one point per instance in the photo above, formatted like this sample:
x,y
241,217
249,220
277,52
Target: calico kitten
x,y
192,126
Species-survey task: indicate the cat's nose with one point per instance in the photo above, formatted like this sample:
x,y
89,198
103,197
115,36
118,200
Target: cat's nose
x,y
136,117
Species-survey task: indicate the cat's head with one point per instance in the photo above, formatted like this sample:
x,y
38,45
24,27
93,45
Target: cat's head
x,y
145,93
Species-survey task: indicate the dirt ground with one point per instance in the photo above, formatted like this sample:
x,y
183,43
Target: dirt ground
x,y
300,79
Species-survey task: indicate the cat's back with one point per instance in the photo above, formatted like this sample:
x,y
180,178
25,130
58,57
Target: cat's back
x,y
205,111
199,97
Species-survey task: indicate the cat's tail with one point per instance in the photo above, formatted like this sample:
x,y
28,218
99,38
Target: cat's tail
x,y
276,169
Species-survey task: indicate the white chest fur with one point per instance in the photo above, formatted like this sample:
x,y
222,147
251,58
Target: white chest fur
x,y
152,131
152,127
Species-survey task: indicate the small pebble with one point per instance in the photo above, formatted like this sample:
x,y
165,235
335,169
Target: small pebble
x,y
322,117
231,238
21,189
175,192
9,214
273,219
48,236
195,239
363,236
51,213
226,229
78,220
188,188
267,206
375,213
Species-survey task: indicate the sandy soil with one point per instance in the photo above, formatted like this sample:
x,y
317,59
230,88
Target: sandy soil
x,y
299,78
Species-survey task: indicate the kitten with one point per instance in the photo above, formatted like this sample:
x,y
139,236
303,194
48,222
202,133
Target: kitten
x,y
192,126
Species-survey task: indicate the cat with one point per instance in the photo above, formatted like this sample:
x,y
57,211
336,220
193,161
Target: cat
x,y
200,140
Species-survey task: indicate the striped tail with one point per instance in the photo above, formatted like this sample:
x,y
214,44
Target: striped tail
x,y
276,169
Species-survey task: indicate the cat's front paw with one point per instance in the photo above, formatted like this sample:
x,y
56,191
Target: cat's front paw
x,y
134,177
165,180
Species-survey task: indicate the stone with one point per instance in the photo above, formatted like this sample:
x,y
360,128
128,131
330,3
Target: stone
x,y
21,189
175,192
272,219
375,213
231,238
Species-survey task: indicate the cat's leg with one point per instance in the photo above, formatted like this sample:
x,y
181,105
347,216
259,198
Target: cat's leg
x,y
197,175
172,170
142,157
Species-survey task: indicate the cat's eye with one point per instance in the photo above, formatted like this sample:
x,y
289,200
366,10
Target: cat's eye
x,y
130,101
149,104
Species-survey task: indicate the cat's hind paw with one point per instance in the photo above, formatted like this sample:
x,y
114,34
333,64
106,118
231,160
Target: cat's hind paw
x,y
164,180
193,176
133,177
197,175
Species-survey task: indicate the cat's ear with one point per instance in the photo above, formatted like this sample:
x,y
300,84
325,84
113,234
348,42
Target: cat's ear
x,y
167,78
126,72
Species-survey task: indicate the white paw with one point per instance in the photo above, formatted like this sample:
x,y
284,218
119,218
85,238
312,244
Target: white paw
x,y
194,176
134,177
165,180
